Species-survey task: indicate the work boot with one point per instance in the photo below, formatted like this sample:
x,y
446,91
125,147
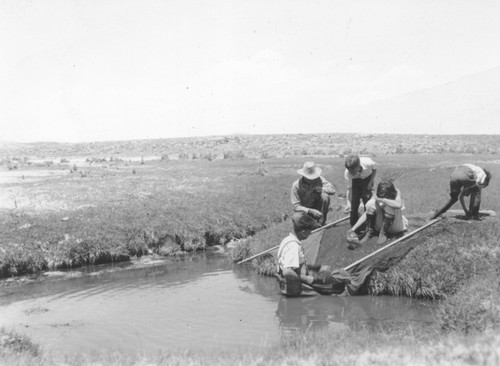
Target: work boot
x,y
370,229
388,221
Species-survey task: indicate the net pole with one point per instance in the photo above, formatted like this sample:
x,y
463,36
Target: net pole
x,y
277,246
391,244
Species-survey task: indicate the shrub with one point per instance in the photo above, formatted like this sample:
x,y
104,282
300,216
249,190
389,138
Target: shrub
x,y
242,250
115,159
135,242
209,156
17,259
239,154
95,160
266,265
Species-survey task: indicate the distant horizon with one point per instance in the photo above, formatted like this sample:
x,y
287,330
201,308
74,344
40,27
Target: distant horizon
x,y
246,135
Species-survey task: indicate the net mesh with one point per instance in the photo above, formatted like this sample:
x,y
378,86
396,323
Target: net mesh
x,y
329,247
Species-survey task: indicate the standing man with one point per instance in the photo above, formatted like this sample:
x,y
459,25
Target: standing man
x,y
359,174
311,193
466,180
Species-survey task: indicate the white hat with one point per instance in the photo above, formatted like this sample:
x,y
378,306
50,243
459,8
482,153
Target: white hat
x,y
310,171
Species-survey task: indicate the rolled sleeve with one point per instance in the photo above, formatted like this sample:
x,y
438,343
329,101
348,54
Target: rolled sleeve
x,y
480,178
327,187
368,163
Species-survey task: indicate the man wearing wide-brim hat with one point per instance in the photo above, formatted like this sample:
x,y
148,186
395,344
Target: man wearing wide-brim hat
x,y
311,192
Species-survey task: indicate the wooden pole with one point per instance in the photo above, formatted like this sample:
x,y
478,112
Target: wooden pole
x,y
330,224
277,246
258,255
391,244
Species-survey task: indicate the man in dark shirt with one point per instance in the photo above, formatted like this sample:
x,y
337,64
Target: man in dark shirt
x,y
311,193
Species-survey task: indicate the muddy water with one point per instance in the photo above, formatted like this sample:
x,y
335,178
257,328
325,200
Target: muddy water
x,y
202,301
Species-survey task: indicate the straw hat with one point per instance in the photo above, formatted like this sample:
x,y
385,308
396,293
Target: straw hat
x,y
310,170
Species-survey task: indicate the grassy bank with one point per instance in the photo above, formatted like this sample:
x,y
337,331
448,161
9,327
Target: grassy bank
x,y
121,211
319,347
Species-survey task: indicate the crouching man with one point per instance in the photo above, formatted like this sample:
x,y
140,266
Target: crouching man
x,y
466,180
311,193
383,214
292,269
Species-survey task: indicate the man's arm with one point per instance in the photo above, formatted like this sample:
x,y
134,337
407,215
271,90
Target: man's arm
x,y
327,187
348,194
361,221
372,179
461,196
395,203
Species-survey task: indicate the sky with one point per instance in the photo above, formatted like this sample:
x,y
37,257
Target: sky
x,y
96,70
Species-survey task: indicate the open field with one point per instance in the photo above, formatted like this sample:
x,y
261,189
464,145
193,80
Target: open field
x,y
67,205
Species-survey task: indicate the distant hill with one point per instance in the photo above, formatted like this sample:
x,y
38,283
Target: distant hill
x,y
471,102
256,146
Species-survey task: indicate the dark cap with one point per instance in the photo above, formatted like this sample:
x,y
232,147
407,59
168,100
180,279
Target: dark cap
x,y
302,221
352,161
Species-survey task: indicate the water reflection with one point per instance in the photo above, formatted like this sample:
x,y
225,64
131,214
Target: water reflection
x,y
262,285
314,311
304,313
195,301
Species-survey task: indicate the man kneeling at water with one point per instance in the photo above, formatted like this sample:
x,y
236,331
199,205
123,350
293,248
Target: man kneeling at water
x,y
292,267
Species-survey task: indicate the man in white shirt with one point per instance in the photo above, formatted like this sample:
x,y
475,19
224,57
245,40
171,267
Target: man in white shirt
x,y
360,175
466,180
291,262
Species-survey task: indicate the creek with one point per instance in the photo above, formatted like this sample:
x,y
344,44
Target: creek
x,y
201,301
